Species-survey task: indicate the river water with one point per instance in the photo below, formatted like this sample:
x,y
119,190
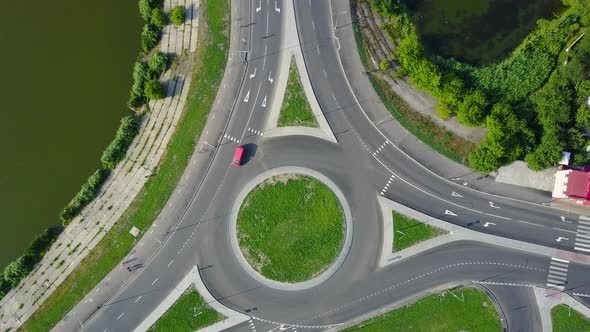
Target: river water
x,y
66,72
478,31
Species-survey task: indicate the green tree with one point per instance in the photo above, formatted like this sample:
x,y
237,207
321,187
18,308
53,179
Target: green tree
x,y
16,271
141,74
150,36
177,15
583,89
443,111
471,111
145,8
154,89
158,63
158,17
547,154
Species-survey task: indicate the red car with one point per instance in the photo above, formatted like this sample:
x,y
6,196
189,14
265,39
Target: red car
x,y
238,156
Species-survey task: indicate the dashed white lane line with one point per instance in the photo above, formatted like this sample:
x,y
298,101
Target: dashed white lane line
x,y
170,263
137,300
121,315
583,235
384,190
154,281
257,132
231,138
530,223
557,276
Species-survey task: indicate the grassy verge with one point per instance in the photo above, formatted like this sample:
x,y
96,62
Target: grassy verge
x,y
189,313
210,61
408,231
290,228
295,110
439,139
566,320
439,312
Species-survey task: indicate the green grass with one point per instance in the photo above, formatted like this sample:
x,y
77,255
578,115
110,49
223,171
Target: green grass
x,y
210,62
408,231
565,320
290,231
296,110
439,313
438,138
188,314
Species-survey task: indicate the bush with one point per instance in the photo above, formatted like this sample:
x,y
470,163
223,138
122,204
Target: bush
x,y
16,271
471,111
117,149
177,15
86,194
158,63
146,7
384,65
155,90
141,73
158,17
150,36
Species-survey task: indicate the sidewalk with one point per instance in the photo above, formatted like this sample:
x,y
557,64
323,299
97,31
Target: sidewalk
x,y
423,155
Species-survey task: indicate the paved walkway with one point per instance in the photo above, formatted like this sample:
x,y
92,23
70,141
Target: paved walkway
x,y
120,189
547,299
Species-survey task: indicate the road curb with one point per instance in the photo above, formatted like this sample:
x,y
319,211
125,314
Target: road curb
x,y
233,236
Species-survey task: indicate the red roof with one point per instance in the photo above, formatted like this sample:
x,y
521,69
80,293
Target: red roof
x,y
578,184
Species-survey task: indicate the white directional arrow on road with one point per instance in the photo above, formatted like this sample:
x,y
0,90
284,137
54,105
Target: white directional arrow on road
x,y
264,102
259,6
270,79
456,195
277,8
247,96
253,74
487,224
566,221
447,212
492,205
561,238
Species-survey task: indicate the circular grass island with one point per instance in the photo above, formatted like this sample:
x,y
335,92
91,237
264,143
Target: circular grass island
x,y
290,228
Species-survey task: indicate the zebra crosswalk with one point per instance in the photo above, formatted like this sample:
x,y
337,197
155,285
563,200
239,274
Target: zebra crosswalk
x,y
583,235
557,276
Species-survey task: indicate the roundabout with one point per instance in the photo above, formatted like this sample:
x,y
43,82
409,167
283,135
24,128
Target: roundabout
x,y
290,228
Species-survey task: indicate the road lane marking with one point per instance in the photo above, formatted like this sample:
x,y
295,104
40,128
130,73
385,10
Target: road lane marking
x,y
454,194
561,238
247,97
277,8
121,315
447,212
170,263
255,131
497,216
254,73
487,224
391,178
530,223
259,6
270,79
557,275
263,102
231,138
154,281
582,241
494,206
251,111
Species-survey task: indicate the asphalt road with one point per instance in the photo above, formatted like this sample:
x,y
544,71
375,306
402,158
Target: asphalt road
x,y
360,164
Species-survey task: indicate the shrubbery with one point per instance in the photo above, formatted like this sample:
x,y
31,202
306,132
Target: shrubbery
x,y
177,15
116,151
15,271
158,63
532,80
154,89
86,194
158,17
141,73
150,36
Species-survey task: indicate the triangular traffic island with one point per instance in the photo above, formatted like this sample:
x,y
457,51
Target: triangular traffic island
x,y
408,232
296,110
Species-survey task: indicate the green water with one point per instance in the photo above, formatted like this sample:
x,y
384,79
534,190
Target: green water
x,y
66,71
478,31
